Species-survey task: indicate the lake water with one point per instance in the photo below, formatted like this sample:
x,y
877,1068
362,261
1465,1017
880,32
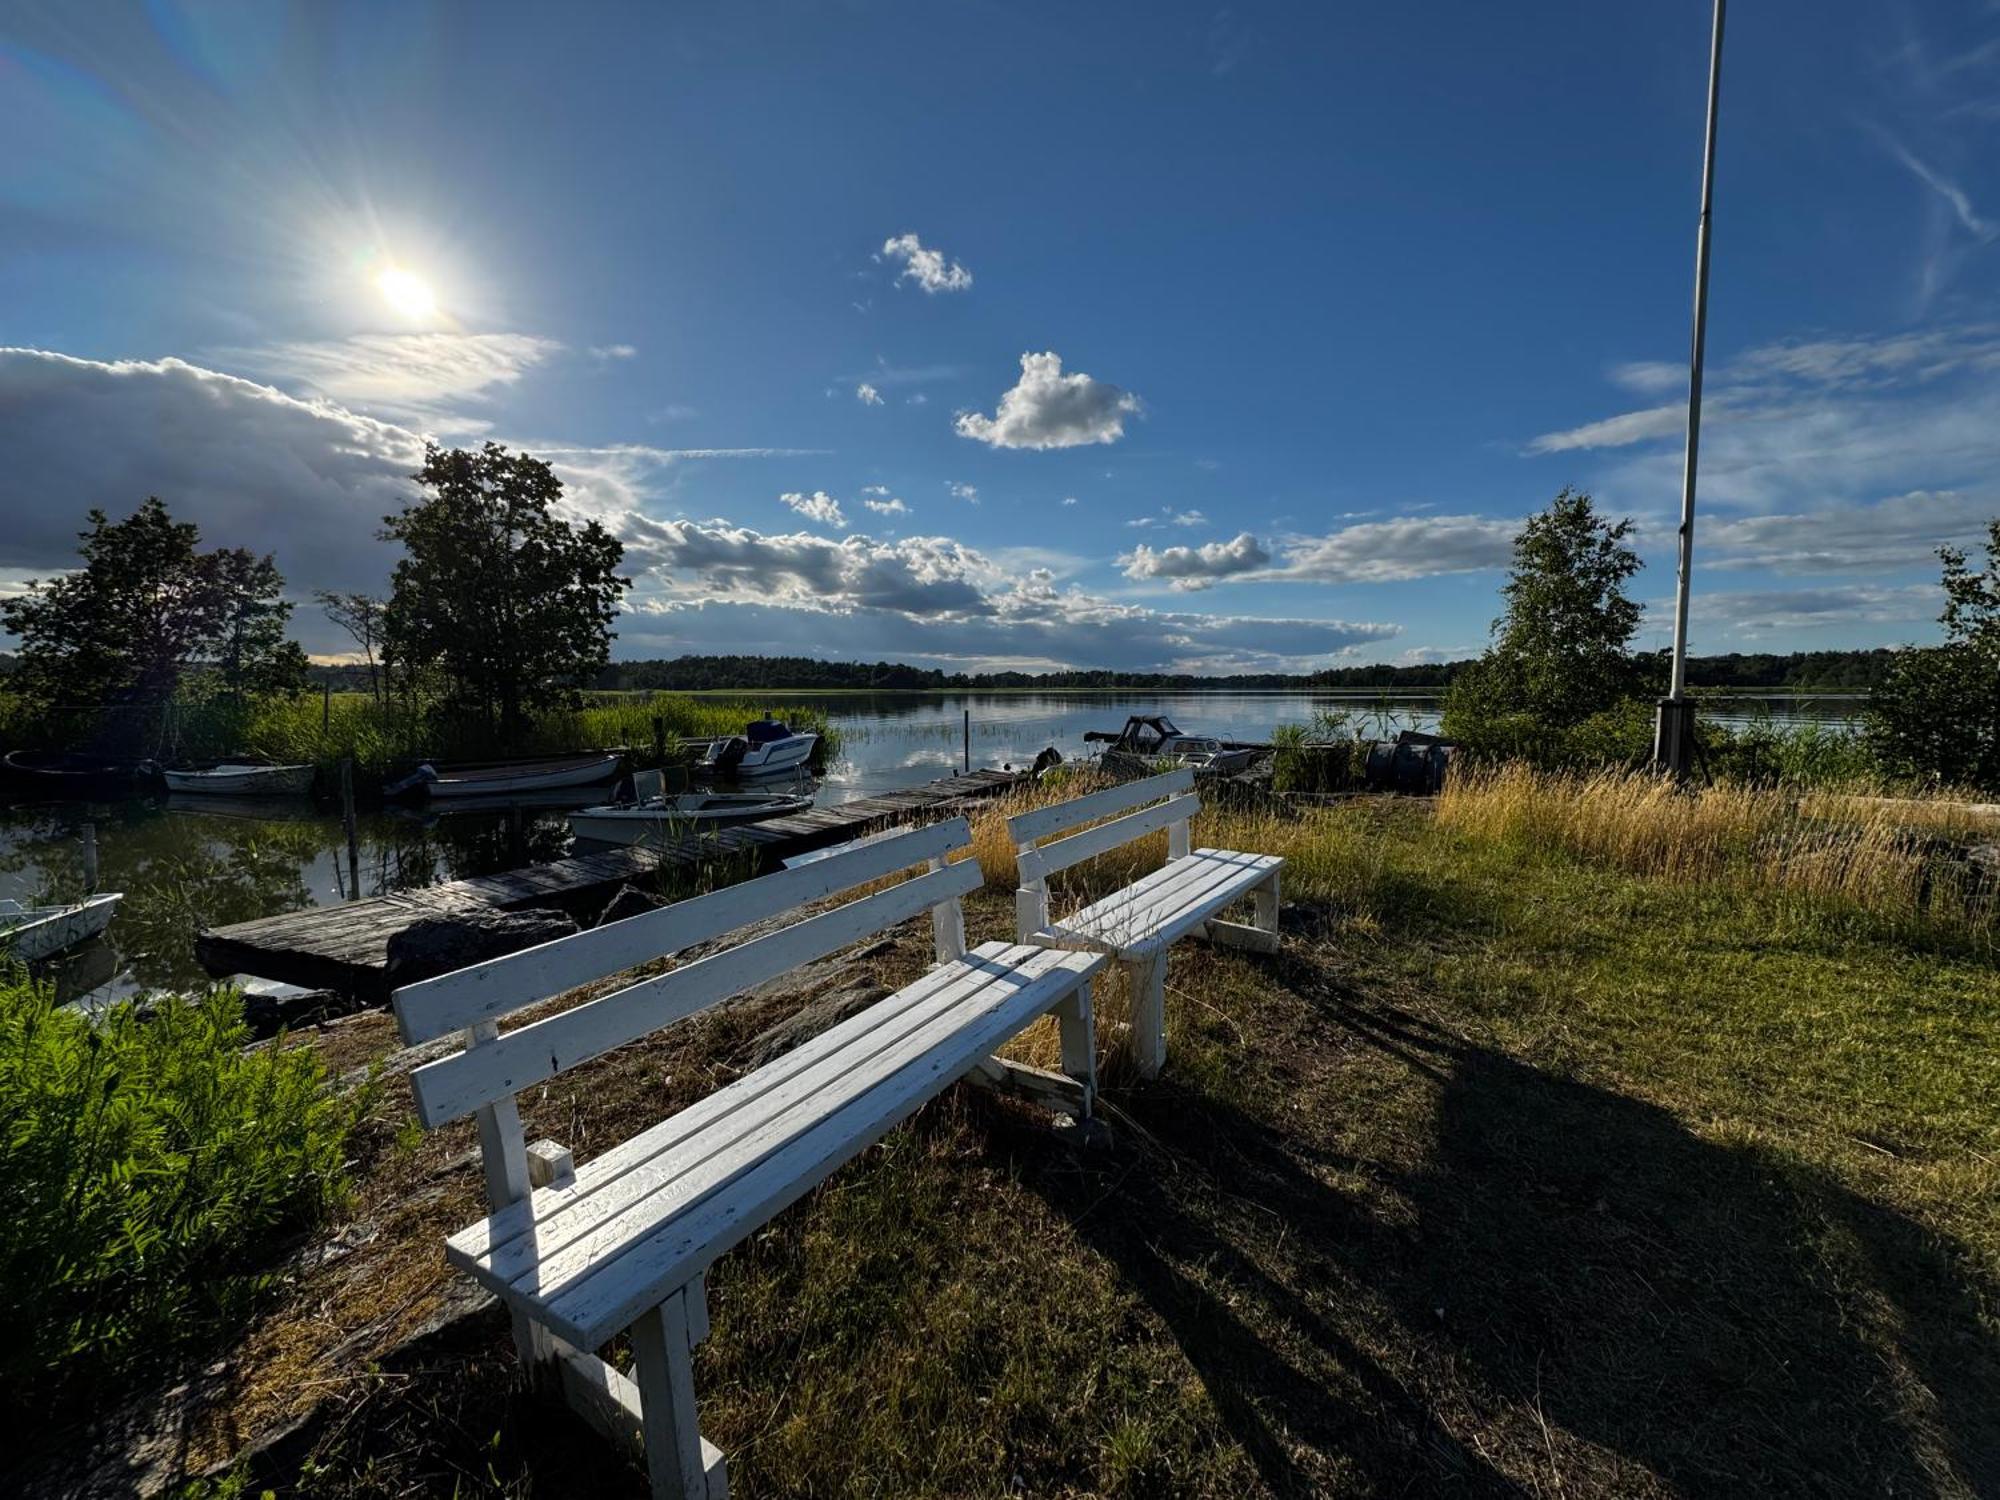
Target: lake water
x,y
186,863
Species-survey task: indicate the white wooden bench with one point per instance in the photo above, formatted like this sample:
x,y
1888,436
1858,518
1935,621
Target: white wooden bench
x,y
1139,923
623,1242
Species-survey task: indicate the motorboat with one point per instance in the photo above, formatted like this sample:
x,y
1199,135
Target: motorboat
x,y
766,747
32,932
78,775
655,819
508,778
1155,739
242,779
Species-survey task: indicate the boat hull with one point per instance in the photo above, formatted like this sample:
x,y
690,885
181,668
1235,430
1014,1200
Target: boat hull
x,y
549,778
641,825
39,931
58,775
243,781
770,759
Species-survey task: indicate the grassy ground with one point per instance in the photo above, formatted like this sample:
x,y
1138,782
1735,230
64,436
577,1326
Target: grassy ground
x,y
1530,1165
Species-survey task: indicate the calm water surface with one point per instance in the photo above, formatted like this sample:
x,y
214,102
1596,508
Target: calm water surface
x,y
186,863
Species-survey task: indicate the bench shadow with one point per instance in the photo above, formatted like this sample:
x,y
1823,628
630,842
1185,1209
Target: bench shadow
x,y
1724,1320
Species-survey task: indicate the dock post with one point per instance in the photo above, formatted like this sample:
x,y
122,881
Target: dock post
x,y
347,820
90,859
659,740
326,711
968,742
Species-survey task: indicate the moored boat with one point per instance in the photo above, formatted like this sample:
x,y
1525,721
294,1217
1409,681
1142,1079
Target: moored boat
x,y
766,747
659,818
63,773
32,932
1155,738
242,779
509,778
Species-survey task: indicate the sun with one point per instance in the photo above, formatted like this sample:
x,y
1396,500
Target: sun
x,y
407,292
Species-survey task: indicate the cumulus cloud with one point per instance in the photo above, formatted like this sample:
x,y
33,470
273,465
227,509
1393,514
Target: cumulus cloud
x,y
929,599
1193,568
1048,409
419,377
969,493
927,268
867,395
250,465
819,506
890,507
1168,516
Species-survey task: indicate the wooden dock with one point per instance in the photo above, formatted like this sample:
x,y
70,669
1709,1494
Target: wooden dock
x,y
345,947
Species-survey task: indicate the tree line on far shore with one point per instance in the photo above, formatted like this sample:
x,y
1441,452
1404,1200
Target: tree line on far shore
x,y
498,607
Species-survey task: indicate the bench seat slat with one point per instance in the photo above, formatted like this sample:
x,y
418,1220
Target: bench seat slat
x,y
590,1288
821,1070
1154,912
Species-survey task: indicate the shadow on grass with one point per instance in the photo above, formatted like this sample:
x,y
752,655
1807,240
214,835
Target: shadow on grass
x,y
1548,1276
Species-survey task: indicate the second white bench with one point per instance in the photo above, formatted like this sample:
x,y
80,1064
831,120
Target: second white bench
x,y
1138,923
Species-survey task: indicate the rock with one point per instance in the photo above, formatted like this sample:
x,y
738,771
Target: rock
x,y
805,1024
438,945
629,902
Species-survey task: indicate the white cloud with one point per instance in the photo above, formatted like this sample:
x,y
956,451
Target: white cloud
x,y
929,599
1954,195
927,268
889,507
1168,516
1068,500
819,507
1756,612
1901,531
917,399
1194,568
969,493
418,377
1048,409
1616,432
867,395
605,352
1405,548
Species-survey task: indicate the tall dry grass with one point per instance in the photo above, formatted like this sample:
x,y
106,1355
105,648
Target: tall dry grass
x,y
1906,864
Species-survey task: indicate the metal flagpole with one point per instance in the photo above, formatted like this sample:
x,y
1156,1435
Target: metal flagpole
x,y
1673,729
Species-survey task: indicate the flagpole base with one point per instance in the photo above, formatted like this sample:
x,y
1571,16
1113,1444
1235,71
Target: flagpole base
x,y
1673,736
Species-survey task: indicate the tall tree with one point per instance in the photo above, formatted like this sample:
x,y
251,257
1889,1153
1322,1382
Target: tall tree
x,y
1936,714
510,602
145,607
360,615
1562,649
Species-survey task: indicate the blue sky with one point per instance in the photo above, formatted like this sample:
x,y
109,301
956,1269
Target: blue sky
x,y
1156,335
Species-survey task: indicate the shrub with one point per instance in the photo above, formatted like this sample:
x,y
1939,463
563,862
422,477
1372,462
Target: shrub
x,y
152,1168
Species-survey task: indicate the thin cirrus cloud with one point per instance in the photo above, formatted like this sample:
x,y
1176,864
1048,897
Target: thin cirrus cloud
x,y
412,376
1048,409
1401,550
928,268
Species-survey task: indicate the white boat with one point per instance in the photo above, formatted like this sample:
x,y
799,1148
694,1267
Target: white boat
x,y
660,818
765,747
242,779
510,778
31,932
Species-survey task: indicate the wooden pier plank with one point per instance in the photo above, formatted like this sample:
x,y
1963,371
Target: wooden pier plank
x,y
345,947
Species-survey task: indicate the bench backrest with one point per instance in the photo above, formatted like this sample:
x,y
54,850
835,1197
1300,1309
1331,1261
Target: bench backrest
x,y
1036,864
493,1067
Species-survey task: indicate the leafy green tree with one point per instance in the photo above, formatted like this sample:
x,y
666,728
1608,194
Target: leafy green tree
x,y
146,607
510,604
360,615
1562,650
1936,715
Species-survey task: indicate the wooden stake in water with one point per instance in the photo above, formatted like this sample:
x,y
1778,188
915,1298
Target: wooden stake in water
x,y
347,821
326,710
90,859
968,740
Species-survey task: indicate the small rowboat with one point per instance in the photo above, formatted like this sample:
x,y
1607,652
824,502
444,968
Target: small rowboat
x,y
659,818
32,932
243,779
765,748
59,773
509,778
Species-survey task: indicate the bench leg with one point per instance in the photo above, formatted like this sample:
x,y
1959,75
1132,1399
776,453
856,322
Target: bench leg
x,y
1265,898
1148,979
1078,1026
677,1460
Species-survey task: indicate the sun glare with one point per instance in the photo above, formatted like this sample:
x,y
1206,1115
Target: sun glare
x,y
407,292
